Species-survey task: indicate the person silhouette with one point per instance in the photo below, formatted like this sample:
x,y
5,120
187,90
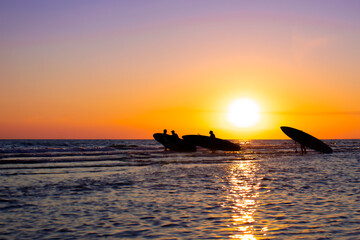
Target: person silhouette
x,y
174,134
212,135
165,136
303,149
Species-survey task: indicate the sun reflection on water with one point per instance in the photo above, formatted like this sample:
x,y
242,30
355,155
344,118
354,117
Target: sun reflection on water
x,y
241,198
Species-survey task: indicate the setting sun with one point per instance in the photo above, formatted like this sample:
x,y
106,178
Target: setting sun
x,y
127,69
243,113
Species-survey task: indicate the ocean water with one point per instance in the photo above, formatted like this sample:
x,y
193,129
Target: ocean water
x,y
132,189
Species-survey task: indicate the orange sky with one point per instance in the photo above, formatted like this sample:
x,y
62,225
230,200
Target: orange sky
x,y
126,70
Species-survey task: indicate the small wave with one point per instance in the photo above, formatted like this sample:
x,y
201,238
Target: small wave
x,y
64,159
123,146
58,157
143,152
53,150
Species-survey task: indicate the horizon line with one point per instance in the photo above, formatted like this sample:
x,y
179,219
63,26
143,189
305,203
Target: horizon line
x,y
140,139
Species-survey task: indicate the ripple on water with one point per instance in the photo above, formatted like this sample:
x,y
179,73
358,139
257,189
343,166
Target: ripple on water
x,y
280,195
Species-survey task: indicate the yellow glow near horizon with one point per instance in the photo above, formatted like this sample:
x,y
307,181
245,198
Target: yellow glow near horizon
x,y
243,113
106,79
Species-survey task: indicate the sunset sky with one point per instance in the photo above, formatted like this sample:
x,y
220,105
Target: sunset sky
x,y
128,69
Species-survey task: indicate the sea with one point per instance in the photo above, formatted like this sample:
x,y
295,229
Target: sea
x,y
133,189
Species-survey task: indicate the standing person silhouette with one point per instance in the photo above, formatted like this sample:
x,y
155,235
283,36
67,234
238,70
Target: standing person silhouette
x,y
303,149
174,134
212,136
165,136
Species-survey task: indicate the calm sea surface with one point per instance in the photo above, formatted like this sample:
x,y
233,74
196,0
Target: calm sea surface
x,y
132,189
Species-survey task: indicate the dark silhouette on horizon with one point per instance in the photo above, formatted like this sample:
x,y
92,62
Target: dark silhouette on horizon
x,y
173,142
306,140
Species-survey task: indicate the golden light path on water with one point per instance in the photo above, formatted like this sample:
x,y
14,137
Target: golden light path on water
x,y
242,199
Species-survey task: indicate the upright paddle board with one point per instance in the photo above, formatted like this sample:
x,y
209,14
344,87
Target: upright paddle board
x,y
306,139
211,143
174,143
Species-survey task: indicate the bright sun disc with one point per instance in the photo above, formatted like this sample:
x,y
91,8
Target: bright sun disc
x,y
243,113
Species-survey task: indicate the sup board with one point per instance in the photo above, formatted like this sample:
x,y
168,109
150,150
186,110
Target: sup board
x,y
174,143
306,139
211,143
